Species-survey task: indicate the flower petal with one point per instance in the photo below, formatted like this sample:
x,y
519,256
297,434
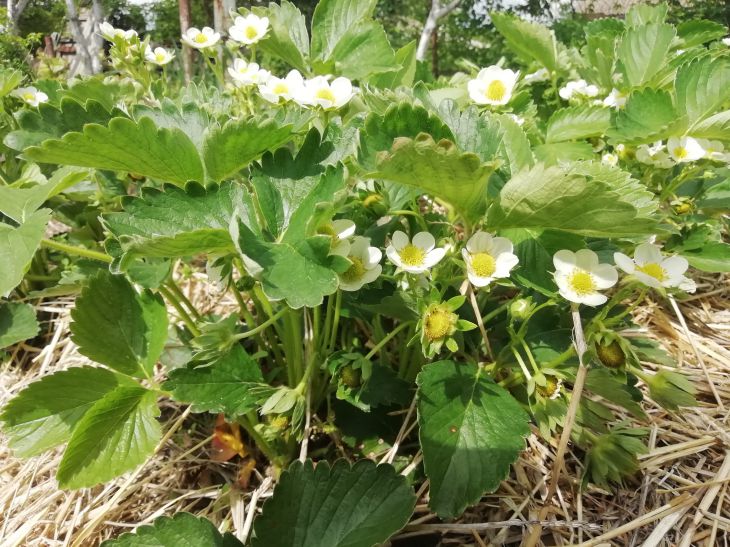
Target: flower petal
x,y
648,253
504,264
424,240
586,259
500,245
564,260
593,299
433,257
675,266
604,275
399,240
393,256
624,262
479,242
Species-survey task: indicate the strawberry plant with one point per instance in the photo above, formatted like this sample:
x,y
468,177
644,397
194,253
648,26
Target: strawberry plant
x,y
464,254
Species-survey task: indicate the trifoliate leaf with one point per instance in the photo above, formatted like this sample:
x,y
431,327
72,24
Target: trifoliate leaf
x,y
649,115
584,198
362,51
230,148
125,145
118,327
118,433
232,384
355,506
643,50
17,247
45,413
189,118
702,88
17,323
332,20
577,122
52,122
530,40
695,32
180,530
439,169
176,223
473,131
471,431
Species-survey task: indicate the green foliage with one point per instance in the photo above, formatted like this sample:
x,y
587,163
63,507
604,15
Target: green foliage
x,y
531,41
180,529
359,505
18,244
17,323
471,431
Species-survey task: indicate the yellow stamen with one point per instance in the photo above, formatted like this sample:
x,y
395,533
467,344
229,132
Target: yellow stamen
x,y
654,270
495,90
201,38
251,33
411,255
280,88
680,152
325,94
438,323
28,96
160,57
581,282
483,264
356,271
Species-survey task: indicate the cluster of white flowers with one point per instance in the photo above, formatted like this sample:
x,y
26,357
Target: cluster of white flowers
x,y
493,86
247,31
110,33
30,96
615,99
681,150
580,276
577,89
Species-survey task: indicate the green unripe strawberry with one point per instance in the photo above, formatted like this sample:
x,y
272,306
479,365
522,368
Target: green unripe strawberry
x,y
611,355
350,376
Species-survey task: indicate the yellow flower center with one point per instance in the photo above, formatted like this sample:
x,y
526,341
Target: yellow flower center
x,y
28,96
251,33
495,90
411,255
159,57
483,264
280,88
356,271
438,324
654,270
325,94
680,152
201,38
581,282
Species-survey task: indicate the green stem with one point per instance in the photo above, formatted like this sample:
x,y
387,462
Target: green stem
x,y
494,313
184,299
262,326
335,321
173,299
258,439
76,251
385,340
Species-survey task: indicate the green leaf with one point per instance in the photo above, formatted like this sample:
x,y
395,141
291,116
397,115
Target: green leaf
x,y
642,14
531,41
716,127
287,38
600,50
711,257
473,131
19,202
52,122
362,51
405,59
332,19
702,88
118,433
125,145
118,327
17,247
106,91
354,506
578,122
605,383
188,118
200,223
302,273
439,169
649,116
230,148
583,198
698,31
643,49
232,384
45,413
561,152
9,80
471,431
515,146
182,529
17,323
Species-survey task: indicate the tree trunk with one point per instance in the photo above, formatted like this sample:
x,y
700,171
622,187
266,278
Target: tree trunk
x,y
187,54
436,12
82,63
222,14
96,45
15,10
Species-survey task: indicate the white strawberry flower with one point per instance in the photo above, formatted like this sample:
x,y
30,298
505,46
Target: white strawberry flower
x,y
250,29
488,258
615,99
539,75
414,256
276,90
340,231
577,88
110,33
245,73
609,159
655,270
726,41
685,149
327,95
159,56
365,263
714,150
655,155
493,85
580,277
201,38
30,95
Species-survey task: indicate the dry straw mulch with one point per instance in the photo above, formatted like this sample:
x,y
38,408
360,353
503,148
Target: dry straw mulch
x,y
680,498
